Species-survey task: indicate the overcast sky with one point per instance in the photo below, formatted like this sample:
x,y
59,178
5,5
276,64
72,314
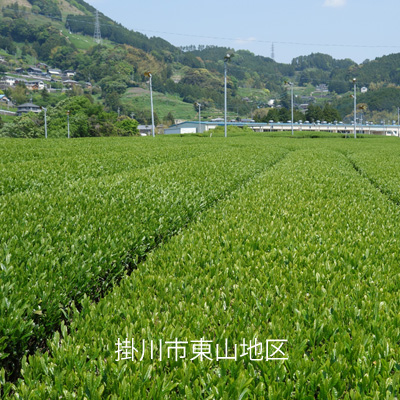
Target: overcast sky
x,y
356,29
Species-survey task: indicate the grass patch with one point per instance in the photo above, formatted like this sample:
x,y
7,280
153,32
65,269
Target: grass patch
x,y
139,98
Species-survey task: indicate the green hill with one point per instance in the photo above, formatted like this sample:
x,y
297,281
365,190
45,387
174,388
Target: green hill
x,y
60,33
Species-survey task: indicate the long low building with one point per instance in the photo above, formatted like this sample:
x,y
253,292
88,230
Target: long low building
x,y
28,107
190,127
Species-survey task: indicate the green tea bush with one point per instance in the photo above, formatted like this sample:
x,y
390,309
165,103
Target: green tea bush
x,y
76,238
307,252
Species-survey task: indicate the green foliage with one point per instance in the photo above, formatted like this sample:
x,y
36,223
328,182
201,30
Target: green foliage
x,y
47,7
279,115
118,34
26,126
19,94
272,239
92,216
314,76
339,87
327,113
320,61
127,126
219,131
204,78
44,41
111,84
200,69
169,119
382,69
247,68
382,101
86,119
112,100
138,102
7,44
144,117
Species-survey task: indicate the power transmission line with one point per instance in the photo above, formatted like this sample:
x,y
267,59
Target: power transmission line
x,y
272,41
139,30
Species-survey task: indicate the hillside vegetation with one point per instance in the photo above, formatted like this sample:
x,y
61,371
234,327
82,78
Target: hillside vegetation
x,y
31,30
115,249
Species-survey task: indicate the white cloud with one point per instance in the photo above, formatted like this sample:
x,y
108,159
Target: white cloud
x,y
335,3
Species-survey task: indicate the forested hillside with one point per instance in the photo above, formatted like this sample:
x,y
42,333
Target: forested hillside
x,y
60,33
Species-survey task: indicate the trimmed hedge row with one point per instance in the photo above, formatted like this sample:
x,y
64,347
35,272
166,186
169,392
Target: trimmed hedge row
x,y
306,252
46,168
59,246
380,166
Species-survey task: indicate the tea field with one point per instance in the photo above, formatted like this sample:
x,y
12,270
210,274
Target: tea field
x,y
251,267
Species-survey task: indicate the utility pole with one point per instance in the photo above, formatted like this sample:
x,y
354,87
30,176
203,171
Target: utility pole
x,y
148,74
68,112
199,105
292,103
227,59
45,122
355,107
292,100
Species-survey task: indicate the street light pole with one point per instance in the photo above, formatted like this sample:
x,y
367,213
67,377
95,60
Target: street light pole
x,y
199,105
225,99
355,107
227,58
291,102
148,74
45,121
291,97
68,123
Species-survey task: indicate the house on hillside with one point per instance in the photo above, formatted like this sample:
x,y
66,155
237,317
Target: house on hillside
x,y
9,80
34,70
54,71
69,83
35,85
219,119
69,73
4,99
28,107
42,66
322,88
20,80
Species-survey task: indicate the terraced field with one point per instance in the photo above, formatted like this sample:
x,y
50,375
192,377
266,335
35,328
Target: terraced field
x,y
200,268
